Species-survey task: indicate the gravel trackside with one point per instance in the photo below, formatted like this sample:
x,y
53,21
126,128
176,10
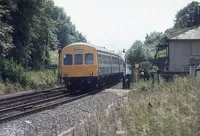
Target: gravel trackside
x,y
54,121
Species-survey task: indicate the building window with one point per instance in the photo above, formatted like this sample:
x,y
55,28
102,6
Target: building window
x,y
78,59
68,59
89,58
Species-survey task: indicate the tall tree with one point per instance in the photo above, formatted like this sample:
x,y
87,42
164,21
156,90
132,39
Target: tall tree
x,y
22,33
188,16
152,40
34,29
136,54
5,29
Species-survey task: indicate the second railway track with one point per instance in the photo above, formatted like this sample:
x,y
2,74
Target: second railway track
x,y
12,99
20,110
13,108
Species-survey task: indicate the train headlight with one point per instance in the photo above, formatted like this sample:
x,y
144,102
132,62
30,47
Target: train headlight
x,y
66,74
91,73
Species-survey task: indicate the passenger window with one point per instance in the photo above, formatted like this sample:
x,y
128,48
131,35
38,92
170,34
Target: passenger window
x,y
68,59
99,58
109,62
78,59
89,58
104,59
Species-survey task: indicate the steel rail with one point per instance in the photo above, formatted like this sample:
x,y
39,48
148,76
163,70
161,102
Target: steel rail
x,y
28,99
10,98
43,106
48,103
23,106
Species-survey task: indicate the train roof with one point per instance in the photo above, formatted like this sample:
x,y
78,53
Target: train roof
x,y
98,48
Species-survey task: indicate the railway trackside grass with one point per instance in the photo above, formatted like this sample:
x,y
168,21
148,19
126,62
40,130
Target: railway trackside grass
x,y
21,79
39,78
34,80
167,109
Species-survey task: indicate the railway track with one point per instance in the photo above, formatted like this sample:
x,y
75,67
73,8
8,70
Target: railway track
x,y
22,107
20,100
16,105
19,106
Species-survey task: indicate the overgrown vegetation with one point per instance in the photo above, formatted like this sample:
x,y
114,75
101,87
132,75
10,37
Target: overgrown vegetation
x,y
31,80
31,29
30,32
166,109
15,77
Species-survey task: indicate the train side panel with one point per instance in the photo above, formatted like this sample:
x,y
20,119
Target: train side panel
x,y
109,67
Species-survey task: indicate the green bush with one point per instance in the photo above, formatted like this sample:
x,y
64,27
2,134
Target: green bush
x,y
11,71
37,78
53,57
15,76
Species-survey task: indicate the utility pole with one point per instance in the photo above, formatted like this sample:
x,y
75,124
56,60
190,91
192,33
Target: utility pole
x,y
59,64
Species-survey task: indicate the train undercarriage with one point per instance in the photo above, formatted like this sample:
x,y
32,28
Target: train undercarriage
x,y
74,84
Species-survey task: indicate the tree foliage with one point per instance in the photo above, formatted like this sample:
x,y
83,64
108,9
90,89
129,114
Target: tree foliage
x,y
188,16
153,40
5,29
30,29
136,54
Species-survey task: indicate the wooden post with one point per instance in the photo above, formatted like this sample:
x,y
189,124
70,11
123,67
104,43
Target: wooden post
x,y
59,64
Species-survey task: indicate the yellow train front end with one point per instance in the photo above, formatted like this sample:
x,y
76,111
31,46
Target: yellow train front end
x,y
79,66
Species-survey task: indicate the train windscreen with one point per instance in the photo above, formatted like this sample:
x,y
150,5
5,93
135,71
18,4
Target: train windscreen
x,y
89,58
68,59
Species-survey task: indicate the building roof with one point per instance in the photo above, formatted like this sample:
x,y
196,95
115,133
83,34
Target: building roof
x,y
188,34
194,60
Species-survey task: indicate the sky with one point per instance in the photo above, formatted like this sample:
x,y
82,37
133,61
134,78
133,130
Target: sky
x,y
116,24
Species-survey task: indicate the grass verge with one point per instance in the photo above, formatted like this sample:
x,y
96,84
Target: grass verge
x,y
166,109
34,79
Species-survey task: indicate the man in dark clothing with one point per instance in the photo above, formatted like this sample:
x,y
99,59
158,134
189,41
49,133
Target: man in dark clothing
x,y
128,80
124,82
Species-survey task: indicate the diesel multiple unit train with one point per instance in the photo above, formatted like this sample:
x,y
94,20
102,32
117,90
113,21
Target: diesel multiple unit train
x,y
88,65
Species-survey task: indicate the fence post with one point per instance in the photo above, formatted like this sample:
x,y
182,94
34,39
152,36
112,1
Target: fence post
x,y
27,129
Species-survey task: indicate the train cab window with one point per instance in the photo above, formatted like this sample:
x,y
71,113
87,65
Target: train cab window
x,y
89,58
68,59
78,59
